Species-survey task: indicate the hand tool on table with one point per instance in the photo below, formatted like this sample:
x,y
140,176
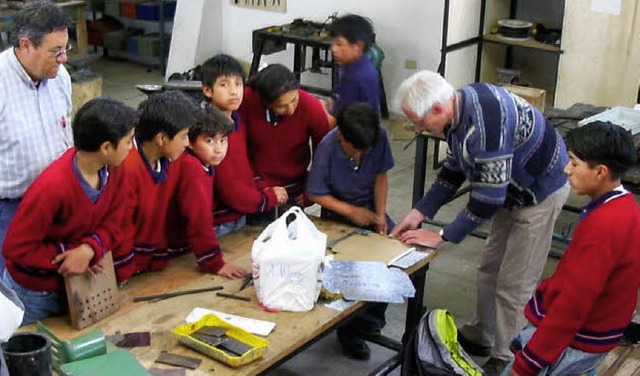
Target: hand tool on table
x,y
174,294
232,296
248,280
358,231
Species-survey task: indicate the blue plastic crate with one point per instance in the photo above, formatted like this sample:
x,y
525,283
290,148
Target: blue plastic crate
x,y
132,45
150,10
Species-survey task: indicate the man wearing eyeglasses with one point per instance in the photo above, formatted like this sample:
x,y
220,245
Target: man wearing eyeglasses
x,y
35,102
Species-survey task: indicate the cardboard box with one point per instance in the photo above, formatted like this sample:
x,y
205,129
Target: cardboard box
x,y
537,97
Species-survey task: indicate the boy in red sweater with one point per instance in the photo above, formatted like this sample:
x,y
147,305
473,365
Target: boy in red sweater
x,y
71,215
582,310
285,124
208,143
152,180
241,192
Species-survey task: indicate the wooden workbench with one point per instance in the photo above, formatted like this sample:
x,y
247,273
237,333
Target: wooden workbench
x,y
293,331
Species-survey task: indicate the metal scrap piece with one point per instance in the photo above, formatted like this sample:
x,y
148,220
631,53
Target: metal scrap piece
x,y
128,340
209,340
214,331
234,346
178,360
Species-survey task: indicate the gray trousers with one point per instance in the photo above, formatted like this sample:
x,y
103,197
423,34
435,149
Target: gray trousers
x,y
512,261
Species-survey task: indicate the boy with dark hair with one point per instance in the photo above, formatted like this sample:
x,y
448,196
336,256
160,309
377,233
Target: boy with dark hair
x,y
241,191
358,77
285,124
33,135
348,178
193,207
68,229
580,312
152,178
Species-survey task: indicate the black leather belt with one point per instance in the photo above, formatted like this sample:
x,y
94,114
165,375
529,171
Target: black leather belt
x,y
10,199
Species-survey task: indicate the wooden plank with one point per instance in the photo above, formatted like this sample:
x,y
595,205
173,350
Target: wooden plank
x,y
92,298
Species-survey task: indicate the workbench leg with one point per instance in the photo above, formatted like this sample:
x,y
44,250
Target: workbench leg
x,y
334,76
384,109
436,154
298,64
419,171
81,30
415,306
255,62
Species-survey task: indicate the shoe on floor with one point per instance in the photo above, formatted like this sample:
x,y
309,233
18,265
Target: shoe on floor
x,y
358,350
473,348
371,334
494,366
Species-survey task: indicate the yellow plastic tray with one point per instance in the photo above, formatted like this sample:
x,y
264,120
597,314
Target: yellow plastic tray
x,y
183,333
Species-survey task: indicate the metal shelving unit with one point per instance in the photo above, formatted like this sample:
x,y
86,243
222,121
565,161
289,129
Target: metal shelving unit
x,y
480,38
160,60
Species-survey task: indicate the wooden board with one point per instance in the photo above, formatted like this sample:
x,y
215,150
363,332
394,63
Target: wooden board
x,y
92,298
371,247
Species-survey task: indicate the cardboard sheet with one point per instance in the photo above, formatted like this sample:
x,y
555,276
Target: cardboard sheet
x,y
371,247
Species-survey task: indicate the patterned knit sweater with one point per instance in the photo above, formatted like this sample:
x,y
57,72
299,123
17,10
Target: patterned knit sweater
x,y
510,154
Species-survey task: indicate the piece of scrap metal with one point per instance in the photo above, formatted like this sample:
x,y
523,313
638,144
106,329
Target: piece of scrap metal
x,y
178,360
128,340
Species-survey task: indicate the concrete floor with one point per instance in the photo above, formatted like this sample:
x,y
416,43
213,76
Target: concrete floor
x,y
450,281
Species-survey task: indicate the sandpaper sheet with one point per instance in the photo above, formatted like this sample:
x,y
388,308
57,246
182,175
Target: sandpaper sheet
x,y
129,340
371,247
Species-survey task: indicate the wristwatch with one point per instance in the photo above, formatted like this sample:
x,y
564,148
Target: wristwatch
x,y
441,233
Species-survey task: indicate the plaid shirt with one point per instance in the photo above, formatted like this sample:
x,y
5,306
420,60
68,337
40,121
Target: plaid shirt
x,y
35,128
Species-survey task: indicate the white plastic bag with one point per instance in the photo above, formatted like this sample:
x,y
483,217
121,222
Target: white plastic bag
x,y
286,262
11,312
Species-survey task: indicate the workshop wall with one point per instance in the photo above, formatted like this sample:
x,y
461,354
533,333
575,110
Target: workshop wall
x,y
406,30
600,65
196,35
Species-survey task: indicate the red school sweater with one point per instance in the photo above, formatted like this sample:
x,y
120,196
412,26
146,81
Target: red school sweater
x,y
145,242
588,301
56,215
280,152
238,192
191,215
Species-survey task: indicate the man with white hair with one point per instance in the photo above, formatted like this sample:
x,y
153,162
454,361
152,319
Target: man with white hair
x,y
514,161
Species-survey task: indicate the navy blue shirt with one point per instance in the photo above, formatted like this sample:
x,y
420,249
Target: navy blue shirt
x,y
92,194
358,82
334,173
